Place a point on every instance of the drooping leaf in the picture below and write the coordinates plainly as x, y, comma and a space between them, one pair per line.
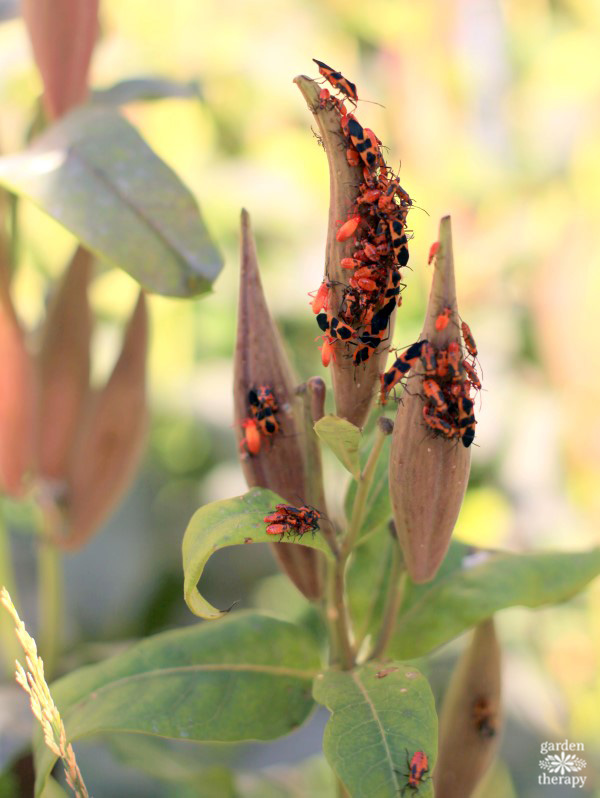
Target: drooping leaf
312, 777
343, 438
96, 176
247, 677
481, 585
381, 715
230, 522
378, 508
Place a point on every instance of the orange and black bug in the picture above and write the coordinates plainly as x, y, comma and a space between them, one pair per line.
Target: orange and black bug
251, 440
320, 297
468, 339
350, 263
454, 359
472, 375
484, 718
260, 397
364, 142
433, 251
337, 80
327, 351
437, 423
290, 520
433, 392
428, 359
399, 368
418, 767
399, 241
442, 320
336, 328
348, 228
266, 421
466, 420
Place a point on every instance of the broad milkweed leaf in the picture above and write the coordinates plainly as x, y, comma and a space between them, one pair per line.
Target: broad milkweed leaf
95, 175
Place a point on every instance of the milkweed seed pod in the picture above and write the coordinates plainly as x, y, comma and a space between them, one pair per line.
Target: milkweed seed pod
354, 386
62, 34
428, 472
470, 720
111, 438
16, 395
277, 459
64, 370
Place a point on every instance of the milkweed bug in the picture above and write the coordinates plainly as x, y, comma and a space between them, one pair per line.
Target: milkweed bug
437, 423
352, 156
251, 439
320, 300
442, 320
337, 80
348, 228
468, 339
327, 351
369, 196
472, 375
283, 529
292, 520
262, 396
428, 359
266, 421
434, 392
466, 420
484, 718
336, 328
455, 368
433, 251
350, 263
418, 767
399, 241
365, 143
381, 319
399, 368
442, 363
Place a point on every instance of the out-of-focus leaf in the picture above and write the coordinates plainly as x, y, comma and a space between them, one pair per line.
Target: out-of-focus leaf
343, 439
485, 583
367, 581
379, 714
247, 677
230, 522
312, 777
145, 88
95, 175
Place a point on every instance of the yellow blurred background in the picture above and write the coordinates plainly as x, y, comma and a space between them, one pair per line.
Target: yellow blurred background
492, 111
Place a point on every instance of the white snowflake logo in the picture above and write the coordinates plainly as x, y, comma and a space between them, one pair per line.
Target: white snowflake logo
565, 763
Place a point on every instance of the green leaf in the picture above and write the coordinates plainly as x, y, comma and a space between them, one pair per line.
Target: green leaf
95, 175
246, 678
343, 438
378, 509
230, 522
477, 585
313, 777
381, 715
367, 582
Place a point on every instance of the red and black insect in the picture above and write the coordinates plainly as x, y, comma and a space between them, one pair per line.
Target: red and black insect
399, 241
399, 368
468, 339
485, 718
251, 440
435, 394
442, 320
335, 327
337, 80
466, 420
348, 228
418, 768
287, 520
433, 251
472, 375
364, 142
437, 423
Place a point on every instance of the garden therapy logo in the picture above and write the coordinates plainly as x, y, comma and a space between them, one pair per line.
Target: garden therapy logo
559, 767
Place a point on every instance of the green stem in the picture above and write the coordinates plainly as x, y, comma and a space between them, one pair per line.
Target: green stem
50, 604
337, 615
9, 643
362, 490
342, 792
393, 603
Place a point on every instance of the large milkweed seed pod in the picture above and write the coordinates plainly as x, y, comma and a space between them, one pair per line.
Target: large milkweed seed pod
428, 475
354, 387
280, 464
16, 395
64, 369
470, 719
111, 438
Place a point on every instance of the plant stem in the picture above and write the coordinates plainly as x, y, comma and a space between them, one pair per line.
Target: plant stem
362, 491
9, 643
50, 604
337, 616
342, 792
394, 599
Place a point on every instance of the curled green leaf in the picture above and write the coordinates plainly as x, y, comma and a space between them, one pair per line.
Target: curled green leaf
230, 522
343, 438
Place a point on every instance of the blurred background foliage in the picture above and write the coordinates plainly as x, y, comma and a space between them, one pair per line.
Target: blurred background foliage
492, 113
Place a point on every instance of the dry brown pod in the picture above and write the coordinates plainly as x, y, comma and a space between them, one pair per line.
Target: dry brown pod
112, 436
281, 462
428, 475
354, 387
16, 395
470, 719
64, 369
